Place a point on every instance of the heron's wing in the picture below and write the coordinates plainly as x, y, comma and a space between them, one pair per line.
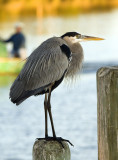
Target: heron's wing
46, 65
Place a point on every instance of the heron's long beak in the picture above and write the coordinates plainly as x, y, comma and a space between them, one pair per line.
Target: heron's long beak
90, 38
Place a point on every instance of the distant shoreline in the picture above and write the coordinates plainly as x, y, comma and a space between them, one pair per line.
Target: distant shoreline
13, 8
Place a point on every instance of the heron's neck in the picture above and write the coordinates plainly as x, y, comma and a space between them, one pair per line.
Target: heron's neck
77, 58
74, 46
68, 41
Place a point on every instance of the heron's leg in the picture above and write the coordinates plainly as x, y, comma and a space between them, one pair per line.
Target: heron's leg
47, 106
50, 113
46, 117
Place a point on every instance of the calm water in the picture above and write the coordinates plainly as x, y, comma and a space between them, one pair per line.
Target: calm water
74, 106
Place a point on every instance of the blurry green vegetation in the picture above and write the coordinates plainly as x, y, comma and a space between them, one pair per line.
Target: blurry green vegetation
3, 50
42, 8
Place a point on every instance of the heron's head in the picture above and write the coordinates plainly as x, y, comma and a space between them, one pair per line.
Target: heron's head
77, 37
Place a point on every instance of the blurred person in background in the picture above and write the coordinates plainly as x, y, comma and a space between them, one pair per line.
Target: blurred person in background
18, 41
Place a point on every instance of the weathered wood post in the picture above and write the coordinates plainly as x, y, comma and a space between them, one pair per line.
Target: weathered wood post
107, 91
50, 150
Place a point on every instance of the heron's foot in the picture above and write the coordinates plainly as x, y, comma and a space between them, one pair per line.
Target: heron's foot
58, 139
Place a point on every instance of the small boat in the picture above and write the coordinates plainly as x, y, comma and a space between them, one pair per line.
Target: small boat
10, 66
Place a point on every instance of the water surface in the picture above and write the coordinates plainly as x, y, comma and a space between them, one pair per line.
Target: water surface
74, 108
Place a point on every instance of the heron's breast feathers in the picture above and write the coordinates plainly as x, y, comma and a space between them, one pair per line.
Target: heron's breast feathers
76, 60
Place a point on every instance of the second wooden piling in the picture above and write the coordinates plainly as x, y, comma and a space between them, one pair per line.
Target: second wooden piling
107, 90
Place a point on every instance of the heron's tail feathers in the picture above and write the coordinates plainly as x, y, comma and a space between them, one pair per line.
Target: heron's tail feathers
21, 98
18, 94
16, 90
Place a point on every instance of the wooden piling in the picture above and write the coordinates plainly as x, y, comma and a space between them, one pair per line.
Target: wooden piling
107, 93
50, 150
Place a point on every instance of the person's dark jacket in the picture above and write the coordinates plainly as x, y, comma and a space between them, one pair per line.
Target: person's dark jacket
18, 41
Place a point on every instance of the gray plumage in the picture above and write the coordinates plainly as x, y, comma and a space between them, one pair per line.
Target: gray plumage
47, 65
77, 58
55, 59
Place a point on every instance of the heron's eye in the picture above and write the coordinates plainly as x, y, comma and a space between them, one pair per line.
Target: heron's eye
78, 36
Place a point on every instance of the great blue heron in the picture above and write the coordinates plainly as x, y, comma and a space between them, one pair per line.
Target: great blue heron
54, 60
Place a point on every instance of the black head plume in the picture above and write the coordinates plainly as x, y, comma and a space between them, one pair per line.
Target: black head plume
70, 34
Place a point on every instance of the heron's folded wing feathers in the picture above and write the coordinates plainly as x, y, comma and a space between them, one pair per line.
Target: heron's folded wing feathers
47, 67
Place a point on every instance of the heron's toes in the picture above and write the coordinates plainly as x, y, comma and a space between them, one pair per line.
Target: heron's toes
58, 139
61, 139
67, 141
